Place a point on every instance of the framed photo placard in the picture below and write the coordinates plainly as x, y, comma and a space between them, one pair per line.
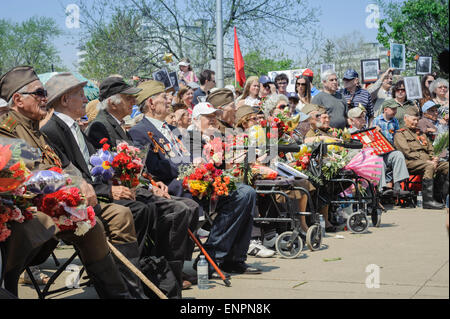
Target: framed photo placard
370, 69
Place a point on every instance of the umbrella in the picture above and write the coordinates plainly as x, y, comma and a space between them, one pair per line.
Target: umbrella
90, 90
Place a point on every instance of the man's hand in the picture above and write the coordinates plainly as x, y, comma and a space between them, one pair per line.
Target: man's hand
161, 193
385, 74
89, 193
122, 192
163, 187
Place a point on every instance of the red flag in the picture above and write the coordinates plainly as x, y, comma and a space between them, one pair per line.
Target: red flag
238, 61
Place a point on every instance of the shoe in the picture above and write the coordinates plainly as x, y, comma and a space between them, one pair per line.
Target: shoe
428, 200
240, 268
388, 192
257, 249
40, 278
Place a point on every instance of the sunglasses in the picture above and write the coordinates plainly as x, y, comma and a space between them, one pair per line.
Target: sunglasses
401, 90
282, 106
301, 84
39, 92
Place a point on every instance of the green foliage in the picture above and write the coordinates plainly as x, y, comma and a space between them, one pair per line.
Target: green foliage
256, 63
422, 25
29, 43
328, 52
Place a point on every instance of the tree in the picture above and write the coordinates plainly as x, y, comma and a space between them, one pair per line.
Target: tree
257, 64
328, 52
184, 29
29, 43
422, 25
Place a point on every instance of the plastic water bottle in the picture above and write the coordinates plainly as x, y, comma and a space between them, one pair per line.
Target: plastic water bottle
322, 224
202, 273
419, 200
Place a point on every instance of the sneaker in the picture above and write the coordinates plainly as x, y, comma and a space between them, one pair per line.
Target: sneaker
257, 249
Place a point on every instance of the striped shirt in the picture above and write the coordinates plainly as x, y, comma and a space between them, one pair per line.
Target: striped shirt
360, 96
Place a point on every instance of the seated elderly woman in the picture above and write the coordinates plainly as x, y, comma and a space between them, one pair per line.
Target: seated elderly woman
230, 234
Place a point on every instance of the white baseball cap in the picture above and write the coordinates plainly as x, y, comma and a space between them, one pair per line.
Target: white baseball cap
203, 108
184, 63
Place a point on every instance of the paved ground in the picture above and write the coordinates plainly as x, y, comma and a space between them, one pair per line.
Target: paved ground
411, 249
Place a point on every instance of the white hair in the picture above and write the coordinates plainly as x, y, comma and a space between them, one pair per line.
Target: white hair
115, 99
325, 75
272, 101
23, 89
436, 83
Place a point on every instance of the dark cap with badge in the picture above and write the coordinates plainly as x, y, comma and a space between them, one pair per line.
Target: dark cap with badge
350, 74
115, 85
15, 79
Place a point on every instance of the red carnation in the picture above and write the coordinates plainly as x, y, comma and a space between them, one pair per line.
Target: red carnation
103, 140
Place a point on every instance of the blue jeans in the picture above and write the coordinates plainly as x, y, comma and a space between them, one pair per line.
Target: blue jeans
230, 233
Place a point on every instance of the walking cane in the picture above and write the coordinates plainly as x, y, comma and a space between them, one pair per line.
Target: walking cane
137, 272
197, 242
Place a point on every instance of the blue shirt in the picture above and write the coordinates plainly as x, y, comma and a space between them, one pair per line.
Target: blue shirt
360, 96
388, 128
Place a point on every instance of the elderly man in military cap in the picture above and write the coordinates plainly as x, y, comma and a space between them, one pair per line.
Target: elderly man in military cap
66, 97
174, 215
27, 101
223, 100
420, 159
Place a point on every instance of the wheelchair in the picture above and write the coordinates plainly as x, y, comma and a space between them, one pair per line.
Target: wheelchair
365, 201
284, 218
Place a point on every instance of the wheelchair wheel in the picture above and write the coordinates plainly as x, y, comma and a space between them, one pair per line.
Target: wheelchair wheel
314, 238
288, 248
357, 222
376, 218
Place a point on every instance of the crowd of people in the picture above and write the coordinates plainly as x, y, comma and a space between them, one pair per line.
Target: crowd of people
154, 220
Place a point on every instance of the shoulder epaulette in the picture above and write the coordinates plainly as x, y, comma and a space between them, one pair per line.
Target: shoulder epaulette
8, 123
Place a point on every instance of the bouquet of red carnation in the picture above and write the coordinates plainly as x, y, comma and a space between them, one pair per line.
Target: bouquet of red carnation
206, 181
68, 210
127, 164
13, 171
11, 213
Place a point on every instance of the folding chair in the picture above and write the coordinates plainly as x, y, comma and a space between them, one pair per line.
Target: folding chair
45, 292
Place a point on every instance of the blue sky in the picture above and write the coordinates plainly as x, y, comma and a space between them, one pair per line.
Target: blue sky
338, 17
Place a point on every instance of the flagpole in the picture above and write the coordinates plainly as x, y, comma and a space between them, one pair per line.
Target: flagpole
219, 45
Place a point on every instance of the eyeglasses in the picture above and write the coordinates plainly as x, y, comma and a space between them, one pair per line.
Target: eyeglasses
442, 87
39, 92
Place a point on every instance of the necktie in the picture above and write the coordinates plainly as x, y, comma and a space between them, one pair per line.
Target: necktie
82, 144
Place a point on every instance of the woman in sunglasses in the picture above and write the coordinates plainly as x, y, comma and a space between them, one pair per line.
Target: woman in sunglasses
303, 90
426, 81
399, 94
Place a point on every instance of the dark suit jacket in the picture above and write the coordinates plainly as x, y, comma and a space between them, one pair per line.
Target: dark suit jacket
157, 163
105, 126
61, 136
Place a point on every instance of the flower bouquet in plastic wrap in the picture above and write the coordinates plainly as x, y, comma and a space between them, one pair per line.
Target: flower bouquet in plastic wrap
205, 181
58, 195
123, 165
16, 159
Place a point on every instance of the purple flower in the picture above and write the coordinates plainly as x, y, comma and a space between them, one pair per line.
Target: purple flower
101, 162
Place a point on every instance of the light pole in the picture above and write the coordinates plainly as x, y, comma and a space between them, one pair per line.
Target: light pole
219, 45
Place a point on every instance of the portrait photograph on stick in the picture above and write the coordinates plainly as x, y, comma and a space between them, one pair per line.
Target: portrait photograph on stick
397, 58
369, 70
327, 66
423, 65
413, 88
